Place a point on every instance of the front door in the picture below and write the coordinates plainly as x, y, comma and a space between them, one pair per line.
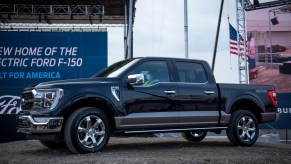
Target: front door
153, 103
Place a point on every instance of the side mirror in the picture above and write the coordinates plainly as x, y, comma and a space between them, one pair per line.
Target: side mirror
135, 79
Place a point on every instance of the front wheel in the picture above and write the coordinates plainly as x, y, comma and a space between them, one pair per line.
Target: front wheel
87, 130
243, 129
194, 135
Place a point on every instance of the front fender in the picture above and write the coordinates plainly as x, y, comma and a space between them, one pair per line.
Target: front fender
89, 96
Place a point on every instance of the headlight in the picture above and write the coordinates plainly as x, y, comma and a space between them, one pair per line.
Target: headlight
48, 98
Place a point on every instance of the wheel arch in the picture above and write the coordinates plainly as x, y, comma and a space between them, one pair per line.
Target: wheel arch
91, 100
249, 103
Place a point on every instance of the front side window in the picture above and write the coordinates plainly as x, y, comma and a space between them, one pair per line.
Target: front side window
153, 71
191, 72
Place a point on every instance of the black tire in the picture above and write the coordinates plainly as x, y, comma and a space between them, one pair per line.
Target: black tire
87, 130
53, 145
194, 135
243, 129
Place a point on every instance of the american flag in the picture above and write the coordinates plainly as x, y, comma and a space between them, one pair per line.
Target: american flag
233, 41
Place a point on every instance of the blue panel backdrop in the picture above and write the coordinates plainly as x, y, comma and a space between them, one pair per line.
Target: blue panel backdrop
28, 58
284, 108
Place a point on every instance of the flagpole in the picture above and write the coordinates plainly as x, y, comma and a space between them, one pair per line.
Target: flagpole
186, 27
217, 35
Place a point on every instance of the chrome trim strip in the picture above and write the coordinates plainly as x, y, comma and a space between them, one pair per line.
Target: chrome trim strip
147, 120
113, 91
209, 92
172, 130
53, 125
175, 119
198, 118
169, 92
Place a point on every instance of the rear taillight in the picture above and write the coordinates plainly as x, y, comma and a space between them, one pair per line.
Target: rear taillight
273, 98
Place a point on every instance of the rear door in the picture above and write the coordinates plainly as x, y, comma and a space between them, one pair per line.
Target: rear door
197, 97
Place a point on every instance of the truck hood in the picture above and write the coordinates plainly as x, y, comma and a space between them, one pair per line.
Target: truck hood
70, 82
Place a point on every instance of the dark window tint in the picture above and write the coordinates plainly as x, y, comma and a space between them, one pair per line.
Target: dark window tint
153, 71
191, 72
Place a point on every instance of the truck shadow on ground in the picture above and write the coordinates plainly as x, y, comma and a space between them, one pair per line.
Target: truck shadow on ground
38, 149
164, 145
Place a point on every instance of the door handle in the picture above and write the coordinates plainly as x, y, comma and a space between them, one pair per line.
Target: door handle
169, 92
209, 92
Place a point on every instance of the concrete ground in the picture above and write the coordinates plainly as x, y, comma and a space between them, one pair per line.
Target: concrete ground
150, 150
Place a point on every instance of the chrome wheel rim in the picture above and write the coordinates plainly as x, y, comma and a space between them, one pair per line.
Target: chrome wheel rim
246, 128
91, 131
197, 133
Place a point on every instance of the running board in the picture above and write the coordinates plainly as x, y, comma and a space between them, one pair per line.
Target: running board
172, 130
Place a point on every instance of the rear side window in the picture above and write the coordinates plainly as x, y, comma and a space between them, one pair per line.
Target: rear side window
191, 72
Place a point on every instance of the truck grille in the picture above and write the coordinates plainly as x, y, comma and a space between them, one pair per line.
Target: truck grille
27, 106
22, 123
28, 97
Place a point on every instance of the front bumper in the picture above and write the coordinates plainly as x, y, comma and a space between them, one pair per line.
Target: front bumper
268, 117
29, 125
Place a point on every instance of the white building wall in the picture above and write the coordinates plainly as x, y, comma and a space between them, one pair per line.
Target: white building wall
278, 38
282, 38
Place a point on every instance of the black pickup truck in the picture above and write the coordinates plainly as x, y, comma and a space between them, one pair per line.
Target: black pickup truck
144, 95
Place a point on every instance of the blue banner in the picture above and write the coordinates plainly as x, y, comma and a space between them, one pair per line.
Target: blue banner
28, 58
284, 108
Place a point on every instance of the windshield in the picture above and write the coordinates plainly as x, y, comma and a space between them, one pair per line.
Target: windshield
116, 69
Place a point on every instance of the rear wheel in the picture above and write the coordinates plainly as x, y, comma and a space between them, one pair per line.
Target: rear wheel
243, 128
53, 145
194, 135
87, 130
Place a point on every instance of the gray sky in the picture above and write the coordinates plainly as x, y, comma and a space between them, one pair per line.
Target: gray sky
159, 31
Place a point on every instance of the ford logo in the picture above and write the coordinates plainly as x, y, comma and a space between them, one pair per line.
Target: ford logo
9, 104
